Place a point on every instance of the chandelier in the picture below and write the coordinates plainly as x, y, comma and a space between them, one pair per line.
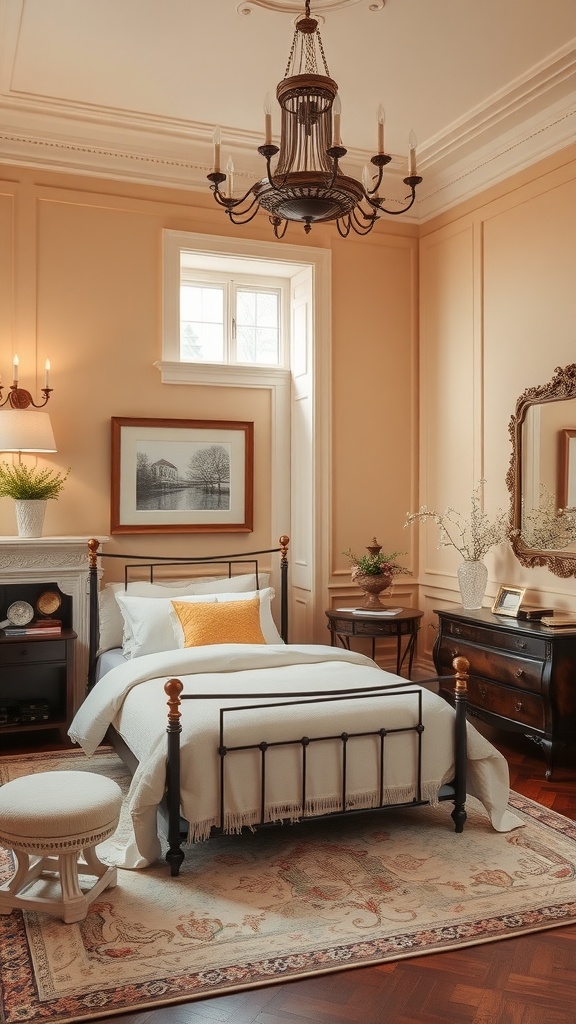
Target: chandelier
307, 184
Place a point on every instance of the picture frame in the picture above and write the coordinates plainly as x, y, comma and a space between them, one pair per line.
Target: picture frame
508, 600
181, 476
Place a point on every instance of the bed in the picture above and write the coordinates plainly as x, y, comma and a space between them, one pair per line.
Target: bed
229, 727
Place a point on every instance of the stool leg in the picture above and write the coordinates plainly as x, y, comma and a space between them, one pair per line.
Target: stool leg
74, 903
93, 862
17, 880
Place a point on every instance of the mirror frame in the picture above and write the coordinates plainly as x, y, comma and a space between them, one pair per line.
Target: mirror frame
561, 387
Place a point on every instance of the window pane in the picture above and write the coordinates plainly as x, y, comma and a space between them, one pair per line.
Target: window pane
267, 306
202, 323
258, 329
246, 345
246, 308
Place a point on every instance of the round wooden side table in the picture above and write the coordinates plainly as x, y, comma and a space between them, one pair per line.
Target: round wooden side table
344, 625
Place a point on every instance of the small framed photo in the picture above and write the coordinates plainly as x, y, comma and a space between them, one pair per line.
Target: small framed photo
508, 600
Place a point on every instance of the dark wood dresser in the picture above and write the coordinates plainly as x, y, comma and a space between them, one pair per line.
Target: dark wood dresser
522, 674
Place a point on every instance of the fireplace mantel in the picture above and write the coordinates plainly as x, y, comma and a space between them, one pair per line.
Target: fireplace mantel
61, 560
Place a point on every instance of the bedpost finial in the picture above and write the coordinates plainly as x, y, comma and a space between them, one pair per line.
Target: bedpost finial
461, 666
93, 546
284, 542
173, 688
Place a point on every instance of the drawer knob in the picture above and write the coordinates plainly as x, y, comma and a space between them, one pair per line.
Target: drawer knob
521, 644
519, 673
23, 653
519, 706
483, 692
455, 652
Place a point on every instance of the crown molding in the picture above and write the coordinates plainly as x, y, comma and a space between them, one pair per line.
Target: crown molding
532, 119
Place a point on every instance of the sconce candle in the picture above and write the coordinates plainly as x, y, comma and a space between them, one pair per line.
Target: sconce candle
47, 374
15, 372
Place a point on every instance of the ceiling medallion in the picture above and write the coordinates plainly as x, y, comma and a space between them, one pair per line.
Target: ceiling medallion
306, 184
295, 6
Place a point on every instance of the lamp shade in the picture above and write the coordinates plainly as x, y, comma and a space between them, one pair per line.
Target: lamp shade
26, 430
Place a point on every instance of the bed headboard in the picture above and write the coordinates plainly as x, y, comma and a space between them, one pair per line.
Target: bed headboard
148, 567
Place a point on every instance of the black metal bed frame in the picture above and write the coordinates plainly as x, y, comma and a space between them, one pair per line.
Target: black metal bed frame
455, 790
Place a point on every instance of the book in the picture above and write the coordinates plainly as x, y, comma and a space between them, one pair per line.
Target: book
32, 630
369, 611
559, 621
529, 611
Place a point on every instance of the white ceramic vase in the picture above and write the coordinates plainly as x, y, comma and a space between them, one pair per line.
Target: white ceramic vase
30, 517
472, 580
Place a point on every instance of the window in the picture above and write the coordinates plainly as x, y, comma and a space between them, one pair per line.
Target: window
233, 320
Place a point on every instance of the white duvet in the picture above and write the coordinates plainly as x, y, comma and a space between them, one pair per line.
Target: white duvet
132, 698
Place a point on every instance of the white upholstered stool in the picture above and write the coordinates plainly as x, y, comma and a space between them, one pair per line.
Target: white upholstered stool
49, 820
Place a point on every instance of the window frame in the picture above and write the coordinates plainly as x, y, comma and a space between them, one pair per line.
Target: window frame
232, 282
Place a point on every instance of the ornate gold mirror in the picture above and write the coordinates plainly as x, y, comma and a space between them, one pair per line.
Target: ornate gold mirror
542, 474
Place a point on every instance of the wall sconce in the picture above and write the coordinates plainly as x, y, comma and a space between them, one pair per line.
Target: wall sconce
19, 398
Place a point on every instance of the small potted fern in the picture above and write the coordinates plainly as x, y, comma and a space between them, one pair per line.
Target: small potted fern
31, 487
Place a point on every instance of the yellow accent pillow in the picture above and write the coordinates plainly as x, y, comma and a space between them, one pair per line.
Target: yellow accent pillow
233, 622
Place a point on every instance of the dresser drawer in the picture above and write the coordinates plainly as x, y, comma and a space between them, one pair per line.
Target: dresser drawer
35, 651
524, 708
530, 646
499, 666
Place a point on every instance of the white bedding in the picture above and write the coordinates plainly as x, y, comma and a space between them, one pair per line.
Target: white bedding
131, 697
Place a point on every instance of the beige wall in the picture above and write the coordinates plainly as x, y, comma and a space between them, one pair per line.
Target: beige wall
498, 315
80, 282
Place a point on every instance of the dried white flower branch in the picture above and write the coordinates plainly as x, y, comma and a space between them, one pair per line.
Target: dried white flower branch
472, 536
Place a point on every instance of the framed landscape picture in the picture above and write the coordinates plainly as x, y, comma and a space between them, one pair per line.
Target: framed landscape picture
181, 476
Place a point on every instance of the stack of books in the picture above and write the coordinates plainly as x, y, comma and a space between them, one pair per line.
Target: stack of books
42, 627
531, 612
559, 621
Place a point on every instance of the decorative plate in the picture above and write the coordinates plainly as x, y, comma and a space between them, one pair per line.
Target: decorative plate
20, 613
48, 602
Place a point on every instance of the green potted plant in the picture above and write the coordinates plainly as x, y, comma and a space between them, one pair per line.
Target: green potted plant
31, 487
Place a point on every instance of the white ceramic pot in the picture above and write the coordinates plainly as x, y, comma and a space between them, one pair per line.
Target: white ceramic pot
30, 517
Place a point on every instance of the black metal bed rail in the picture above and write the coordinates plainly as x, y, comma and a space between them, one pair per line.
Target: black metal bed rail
174, 688
304, 741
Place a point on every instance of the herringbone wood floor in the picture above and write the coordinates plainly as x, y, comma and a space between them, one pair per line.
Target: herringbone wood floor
515, 981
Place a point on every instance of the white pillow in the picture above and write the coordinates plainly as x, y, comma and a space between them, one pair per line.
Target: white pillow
112, 623
148, 626
267, 624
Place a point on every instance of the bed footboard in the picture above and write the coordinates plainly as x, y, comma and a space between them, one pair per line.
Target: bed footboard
455, 791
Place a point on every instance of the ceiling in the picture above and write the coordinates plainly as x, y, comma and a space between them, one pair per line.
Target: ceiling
132, 89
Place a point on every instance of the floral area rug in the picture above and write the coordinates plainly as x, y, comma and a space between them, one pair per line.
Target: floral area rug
282, 904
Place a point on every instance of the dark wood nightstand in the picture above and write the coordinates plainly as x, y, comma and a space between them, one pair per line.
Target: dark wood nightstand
36, 683
344, 625
521, 674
